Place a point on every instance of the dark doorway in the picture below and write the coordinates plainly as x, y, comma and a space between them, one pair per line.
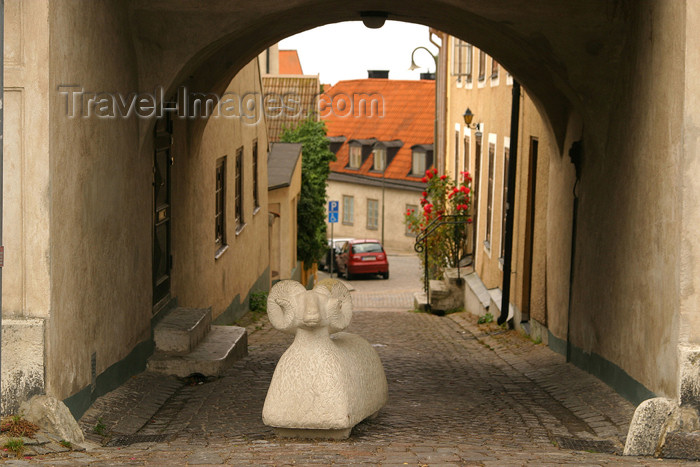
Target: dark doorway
529, 228
162, 161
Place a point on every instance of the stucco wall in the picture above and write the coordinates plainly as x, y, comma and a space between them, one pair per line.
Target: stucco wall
395, 238
100, 201
491, 101
25, 275
285, 200
198, 278
626, 289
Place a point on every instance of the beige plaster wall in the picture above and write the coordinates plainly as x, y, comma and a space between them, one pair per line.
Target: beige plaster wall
25, 278
198, 278
491, 101
285, 200
26, 291
626, 290
395, 238
100, 200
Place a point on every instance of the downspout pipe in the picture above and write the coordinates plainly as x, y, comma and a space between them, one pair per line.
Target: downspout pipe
510, 201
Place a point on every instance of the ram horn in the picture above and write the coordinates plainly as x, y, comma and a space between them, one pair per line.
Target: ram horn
339, 306
281, 303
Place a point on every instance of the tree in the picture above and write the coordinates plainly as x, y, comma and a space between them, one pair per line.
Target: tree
311, 212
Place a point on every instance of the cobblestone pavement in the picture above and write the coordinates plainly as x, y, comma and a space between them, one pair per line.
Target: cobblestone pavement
459, 394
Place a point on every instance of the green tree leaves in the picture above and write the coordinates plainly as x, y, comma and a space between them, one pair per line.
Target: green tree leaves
311, 210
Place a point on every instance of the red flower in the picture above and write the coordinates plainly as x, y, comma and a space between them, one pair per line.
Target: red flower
450, 195
425, 194
467, 191
463, 189
442, 177
430, 175
469, 220
434, 170
424, 180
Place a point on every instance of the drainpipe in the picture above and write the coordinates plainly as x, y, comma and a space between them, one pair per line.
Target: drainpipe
510, 202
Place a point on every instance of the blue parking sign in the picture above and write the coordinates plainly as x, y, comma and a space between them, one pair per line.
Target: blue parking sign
333, 206
333, 217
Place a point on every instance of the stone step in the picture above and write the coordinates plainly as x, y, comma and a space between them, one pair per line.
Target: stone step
495, 306
181, 330
420, 301
438, 289
222, 346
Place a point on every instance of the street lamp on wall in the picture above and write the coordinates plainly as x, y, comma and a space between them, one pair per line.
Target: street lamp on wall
468, 117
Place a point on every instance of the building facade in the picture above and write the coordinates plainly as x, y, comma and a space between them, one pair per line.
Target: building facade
381, 131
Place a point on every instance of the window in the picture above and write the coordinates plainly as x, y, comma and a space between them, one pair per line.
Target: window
456, 157
462, 61
348, 210
355, 156
482, 65
220, 209
469, 66
372, 214
256, 198
380, 159
494, 68
506, 160
489, 195
410, 208
239, 190
418, 162
465, 159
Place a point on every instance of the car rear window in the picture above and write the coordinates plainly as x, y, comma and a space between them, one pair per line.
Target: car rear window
367, 248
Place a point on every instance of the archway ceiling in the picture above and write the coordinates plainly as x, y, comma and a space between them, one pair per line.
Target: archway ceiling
565, 53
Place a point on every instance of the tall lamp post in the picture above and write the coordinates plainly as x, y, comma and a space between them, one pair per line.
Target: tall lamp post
413, 67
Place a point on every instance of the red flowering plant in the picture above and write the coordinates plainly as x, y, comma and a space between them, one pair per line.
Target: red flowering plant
441, 197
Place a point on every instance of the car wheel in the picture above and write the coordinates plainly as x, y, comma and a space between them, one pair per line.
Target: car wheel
385, 275
349, 276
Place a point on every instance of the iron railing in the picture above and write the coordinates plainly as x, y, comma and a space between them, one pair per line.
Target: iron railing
421, 245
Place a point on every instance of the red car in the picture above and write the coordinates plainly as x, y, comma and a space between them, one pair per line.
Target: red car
363, 257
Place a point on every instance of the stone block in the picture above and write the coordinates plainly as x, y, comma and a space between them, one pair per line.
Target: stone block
647, 426
52, 416
22, 361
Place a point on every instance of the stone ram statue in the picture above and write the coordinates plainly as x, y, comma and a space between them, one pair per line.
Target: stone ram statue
323, 385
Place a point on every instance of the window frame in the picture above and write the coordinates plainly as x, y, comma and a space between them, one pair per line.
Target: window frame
256, 179
372, 214
423, 155
220, 205
482, 65
238, 192
352, 157
348, 213
379, 167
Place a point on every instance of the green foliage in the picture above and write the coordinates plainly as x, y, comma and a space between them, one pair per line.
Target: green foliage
446, 244
100, 427
311, 210
258, 302
15, 445
66, 444
487, 318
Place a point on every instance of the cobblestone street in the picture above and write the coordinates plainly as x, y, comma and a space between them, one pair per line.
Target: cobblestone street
459, 394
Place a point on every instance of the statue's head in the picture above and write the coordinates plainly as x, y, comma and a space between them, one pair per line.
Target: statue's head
290, 306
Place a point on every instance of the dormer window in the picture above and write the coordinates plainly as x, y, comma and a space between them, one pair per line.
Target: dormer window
379, 159
421, 159
418, 162
355, 156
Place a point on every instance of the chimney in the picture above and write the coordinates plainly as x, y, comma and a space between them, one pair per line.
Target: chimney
430, 76
381, 74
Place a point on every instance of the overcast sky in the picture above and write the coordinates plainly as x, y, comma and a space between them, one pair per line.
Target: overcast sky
347, 50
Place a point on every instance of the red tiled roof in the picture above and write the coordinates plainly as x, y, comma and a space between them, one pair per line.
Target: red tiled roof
300, 94
404, 110
289, 63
